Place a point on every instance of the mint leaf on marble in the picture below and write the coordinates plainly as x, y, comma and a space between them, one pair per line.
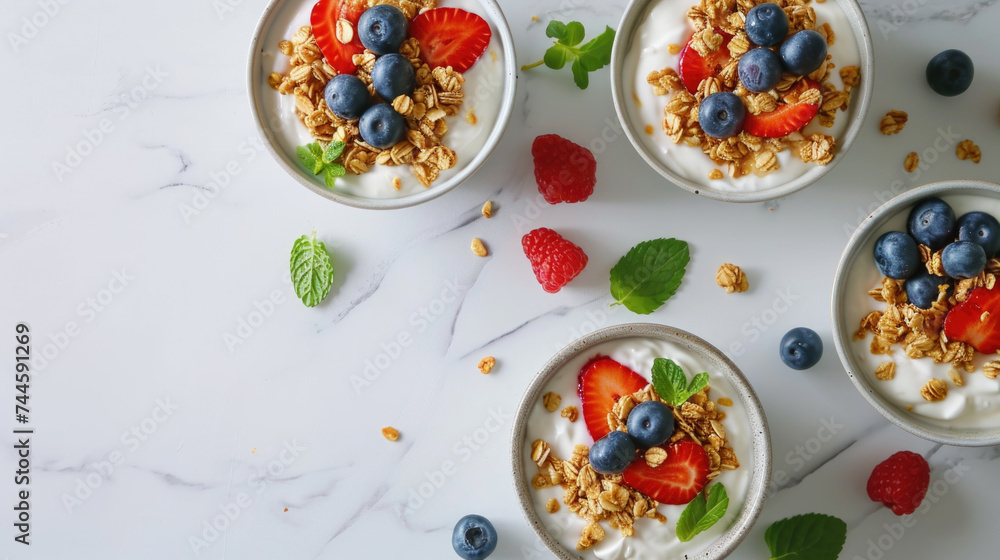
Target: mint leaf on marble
312, 270
321, 161
649, 274
812, 536
702, 513
670, 382
592, 56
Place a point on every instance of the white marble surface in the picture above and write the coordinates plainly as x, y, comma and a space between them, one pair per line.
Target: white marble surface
275, 422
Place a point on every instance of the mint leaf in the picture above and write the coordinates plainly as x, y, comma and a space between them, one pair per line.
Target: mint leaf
333, 152
649, 274
306, 158
594, 55
555, 29
316, 150
698, 382
556, 57
331, 173
574, 34
321, 162
580, 77
597, 53
700, 514
670, 382
312, 270
812, 536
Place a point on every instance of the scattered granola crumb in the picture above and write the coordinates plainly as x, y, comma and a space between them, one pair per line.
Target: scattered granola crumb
470, 117
488, 209
397, 183
726, 401
991, 369
649, 129
254, 450
893, 122
934, 390
552, 505
967, 149
390, 433
674, 49
732, 278
494, 56
478, 248
909, 407
885, 371
534, 18
911, 163
655, 456
570, 413
551, 401
486, 364
715, 174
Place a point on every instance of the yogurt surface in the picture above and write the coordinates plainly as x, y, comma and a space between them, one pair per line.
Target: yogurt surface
973, 405
483, 89
652, 539
666, 23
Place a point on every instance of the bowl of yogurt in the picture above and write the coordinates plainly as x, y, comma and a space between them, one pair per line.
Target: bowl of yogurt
649, 39
472, 133
636, 346
969, 412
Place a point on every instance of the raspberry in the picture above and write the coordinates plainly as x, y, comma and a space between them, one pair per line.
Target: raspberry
554, 260
564, 171
900, 482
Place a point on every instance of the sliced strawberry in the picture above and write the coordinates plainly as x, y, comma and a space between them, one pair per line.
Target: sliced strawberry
601, 383
976, 321
693, 68
677, 480
784, 120
451, 37
325, 15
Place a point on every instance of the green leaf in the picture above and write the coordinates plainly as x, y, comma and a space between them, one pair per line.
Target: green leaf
580, 75
331, 173
574, 34
669, 381
649, 274
698, 383
316, 151
700, 514
812, 536
596, 54
312, 270
306, 157
333, 152
555, 29
556, 57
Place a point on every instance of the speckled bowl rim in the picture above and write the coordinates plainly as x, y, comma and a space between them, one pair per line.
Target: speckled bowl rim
288, 163
860, 102
843, 330
756, 493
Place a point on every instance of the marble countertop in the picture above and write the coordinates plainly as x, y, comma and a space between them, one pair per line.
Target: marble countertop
177, 379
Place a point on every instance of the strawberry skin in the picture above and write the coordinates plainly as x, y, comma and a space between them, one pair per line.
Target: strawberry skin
325, 15
451, 37
693, 68
601, 383
677, 480
976, 321
784, 120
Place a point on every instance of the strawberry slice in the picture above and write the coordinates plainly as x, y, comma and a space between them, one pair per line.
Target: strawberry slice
325, 15
693, 68
677, 480
784, 120
601, 383
976, 321
451, 37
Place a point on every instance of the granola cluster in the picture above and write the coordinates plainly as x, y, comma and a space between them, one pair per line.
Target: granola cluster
746, 154
920, 332
732, 278
438, 95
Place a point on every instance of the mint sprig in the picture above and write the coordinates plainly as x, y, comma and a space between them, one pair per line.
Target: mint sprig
320, 161
312, 270
812, 536
649, 274
670, 382
592, 56
701, 512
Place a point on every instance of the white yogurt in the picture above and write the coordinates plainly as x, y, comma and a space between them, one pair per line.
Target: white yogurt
974, 405
666, 23
652, 539
483, 90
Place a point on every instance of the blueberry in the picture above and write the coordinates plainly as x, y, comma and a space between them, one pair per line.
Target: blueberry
393, 75
963, 259
721, 115
801, 348
650, 424
381, 126
760, 69
950, 72
981, 228
612, 453
382, 29
803, 52
474, 537
347, 96
932, 223
767, 25
897, 255
922, 289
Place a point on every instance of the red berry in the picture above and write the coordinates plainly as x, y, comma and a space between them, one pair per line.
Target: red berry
324, 18
900, 482
677, 480
451, 37
785, 119
602, 382
692, 68
976, 321
564, 171
555, 260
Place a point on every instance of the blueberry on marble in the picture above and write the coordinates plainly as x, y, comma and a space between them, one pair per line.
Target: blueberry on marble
347, 96
801, 348
612, 453
803, 52
650, 424
767, 25
923, 287
474, 537
760, 68
950, 72
393, 75
963, 259
897, 255
722, 114
382, 29
981, 228
381, 126
932, 223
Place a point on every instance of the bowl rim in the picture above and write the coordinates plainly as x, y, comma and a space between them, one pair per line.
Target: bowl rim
843, 331
861, 96
255, 75
760, 480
